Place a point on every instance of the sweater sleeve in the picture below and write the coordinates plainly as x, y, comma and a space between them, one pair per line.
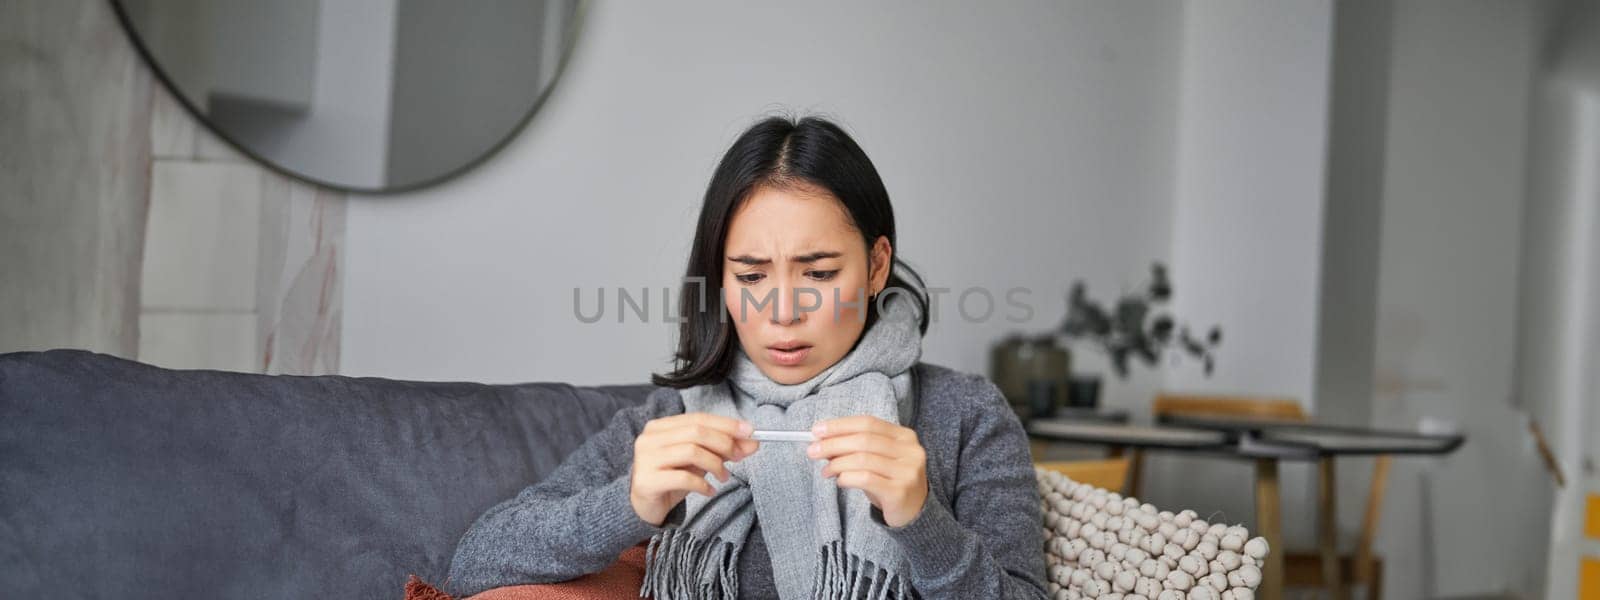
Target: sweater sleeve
990, 543
574, 522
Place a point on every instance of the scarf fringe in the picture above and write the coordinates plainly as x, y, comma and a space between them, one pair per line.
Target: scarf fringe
676, 563
844, 575
679, 565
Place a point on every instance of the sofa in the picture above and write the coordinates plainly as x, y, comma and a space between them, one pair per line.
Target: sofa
122, 479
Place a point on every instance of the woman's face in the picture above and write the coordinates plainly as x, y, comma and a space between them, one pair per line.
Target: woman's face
798, 273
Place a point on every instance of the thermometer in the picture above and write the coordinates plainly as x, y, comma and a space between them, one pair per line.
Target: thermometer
776, 435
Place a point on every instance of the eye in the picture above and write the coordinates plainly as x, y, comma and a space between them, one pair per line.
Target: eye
822, 275
748, 278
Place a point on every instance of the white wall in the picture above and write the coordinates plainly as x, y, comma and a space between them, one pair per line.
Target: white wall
454, 92
1352, 220
1023, 145
1247, 227
1448, 300
1352, 229
344, 138
1560, 340
1559, 330
262, 51
1247, 234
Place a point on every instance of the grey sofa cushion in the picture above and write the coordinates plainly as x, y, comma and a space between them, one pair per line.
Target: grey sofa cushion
121, 479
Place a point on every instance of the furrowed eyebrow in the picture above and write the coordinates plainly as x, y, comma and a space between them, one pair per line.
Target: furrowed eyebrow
807, 258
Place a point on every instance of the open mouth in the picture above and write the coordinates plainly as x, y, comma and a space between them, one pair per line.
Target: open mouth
788, 353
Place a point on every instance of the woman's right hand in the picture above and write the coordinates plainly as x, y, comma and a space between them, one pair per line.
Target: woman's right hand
672, 455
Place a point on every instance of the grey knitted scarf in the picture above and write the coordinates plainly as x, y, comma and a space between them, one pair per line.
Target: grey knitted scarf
822, 538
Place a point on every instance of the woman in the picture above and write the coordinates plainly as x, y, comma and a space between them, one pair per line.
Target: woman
919, 484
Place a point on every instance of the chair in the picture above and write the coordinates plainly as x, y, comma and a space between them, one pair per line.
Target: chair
1111, 473
1301, 568
1121, 557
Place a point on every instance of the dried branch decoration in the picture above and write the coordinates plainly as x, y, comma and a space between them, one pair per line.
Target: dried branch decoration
1132, 331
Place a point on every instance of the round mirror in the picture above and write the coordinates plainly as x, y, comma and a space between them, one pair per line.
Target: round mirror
358, 95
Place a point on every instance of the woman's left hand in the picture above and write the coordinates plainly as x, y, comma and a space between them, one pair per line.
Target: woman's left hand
883, 459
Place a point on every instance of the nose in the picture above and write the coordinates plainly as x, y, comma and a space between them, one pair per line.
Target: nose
786, 307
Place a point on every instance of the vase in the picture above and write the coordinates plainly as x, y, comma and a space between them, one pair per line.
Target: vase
1032, 373
1083, 392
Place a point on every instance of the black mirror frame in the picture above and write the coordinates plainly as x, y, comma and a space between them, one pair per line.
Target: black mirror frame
567, 50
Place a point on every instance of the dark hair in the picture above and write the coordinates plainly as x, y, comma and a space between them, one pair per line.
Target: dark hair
778, 152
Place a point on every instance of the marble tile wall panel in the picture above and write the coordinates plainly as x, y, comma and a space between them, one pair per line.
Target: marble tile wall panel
236, 240
172, 130
199, 340
127, 227
203, 236
299, 285
74, 169
233, 242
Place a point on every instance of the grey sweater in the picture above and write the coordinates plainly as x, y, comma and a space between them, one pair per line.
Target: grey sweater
980, 535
